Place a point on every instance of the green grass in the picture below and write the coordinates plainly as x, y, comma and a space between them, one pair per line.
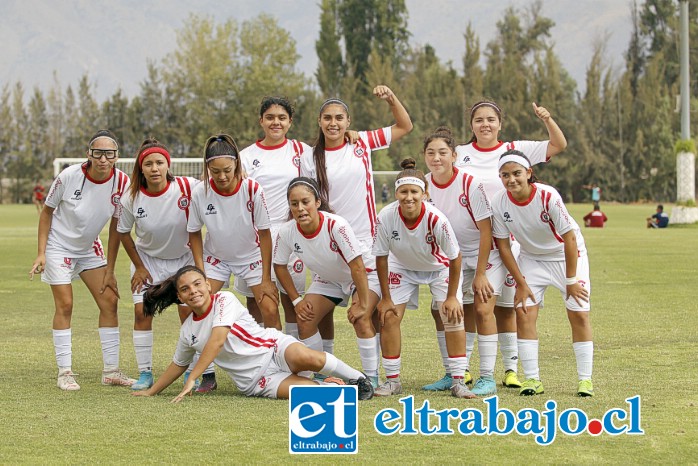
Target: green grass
645, 333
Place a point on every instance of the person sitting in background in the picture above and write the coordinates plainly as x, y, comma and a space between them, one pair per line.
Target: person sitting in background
595, 218
659, 219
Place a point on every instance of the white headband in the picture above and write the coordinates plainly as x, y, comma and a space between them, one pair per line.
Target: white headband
514, 158
224, 156
409, 180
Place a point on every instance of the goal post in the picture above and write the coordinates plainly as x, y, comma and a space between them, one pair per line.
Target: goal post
179, 167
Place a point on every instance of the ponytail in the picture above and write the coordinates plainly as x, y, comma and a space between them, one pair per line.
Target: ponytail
157, 298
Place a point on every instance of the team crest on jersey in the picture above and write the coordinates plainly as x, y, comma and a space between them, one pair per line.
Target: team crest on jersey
394, 278
297, 161
140, 213
211, 210
333, 246
250, 205
359, 151
116, 199
463, 200
429, 238
262, 383
67, 261
183, 202
545, 217
509, 281
298, 266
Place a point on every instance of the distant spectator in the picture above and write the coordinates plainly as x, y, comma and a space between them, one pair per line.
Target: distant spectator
595, 218
595, 193
384, 193
658, 220
38, 196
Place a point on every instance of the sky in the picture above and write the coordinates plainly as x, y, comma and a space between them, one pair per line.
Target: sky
113, 40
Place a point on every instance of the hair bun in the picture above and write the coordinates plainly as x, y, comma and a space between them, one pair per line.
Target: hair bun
408, 163
444, 130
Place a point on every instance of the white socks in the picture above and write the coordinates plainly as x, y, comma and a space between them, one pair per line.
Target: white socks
441, 339
392, 365
313, 342
528, 355
470, 338
584, 353
291, 328
62, 344
510, 351
487, 346
335, 367
109, 337
456, 366
367, 352
143, 347
328, 346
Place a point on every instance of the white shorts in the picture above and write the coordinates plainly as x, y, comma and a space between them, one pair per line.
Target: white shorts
160, 269
275, 372
246, 276
62, 267
541, 274
295, 266
341, 290
404, 286
498, 276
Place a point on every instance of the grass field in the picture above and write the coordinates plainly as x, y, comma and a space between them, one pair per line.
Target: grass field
645, 334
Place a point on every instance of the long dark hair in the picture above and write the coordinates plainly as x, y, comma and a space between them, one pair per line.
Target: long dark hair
319, 150
221, 144
311, 186
157, 298
138, 179
483, 103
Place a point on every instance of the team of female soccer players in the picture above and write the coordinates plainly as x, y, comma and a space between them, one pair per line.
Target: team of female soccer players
479, 229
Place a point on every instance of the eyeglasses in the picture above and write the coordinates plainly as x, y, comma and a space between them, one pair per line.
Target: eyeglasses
97, 154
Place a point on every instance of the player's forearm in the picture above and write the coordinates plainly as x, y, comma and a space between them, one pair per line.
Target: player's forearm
265, 248
454, 271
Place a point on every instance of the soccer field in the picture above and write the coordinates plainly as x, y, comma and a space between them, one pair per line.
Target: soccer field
645, 338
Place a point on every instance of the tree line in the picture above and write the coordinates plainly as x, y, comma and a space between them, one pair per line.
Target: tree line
621, 130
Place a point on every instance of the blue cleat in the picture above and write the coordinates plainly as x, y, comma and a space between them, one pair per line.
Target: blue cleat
485, 386
441, 385
144, 382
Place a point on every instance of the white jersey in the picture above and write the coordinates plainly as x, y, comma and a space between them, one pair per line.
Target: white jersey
350, 175
427, 246
245, 352
538, 223
231, 220
464, 201
326, 252
82, 207
274, 167
484, 163
160, 219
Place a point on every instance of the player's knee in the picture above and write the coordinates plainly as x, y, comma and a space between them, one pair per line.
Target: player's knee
363, 325
453, 326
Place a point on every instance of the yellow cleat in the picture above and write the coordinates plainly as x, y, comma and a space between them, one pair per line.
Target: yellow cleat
511, 380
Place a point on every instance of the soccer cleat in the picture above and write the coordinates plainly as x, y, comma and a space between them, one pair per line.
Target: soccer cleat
485, 386
117, 378
208, 384
511, 380
197, 382
318, 377
144, 382
365, 388
585, 388
443, 384
460, 390
390, 387
467, 378
66, 381
531, 387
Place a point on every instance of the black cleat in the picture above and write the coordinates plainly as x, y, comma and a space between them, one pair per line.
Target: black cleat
365, 387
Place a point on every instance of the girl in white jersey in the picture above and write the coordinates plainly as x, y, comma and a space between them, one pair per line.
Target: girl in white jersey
416, 245
261, 361
479, 156
158, 207
238, 240
341, 266
553, 253
273, 162
82, 199
462, 198
344, 170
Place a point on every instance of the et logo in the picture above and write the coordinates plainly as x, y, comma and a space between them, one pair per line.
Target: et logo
323, 419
